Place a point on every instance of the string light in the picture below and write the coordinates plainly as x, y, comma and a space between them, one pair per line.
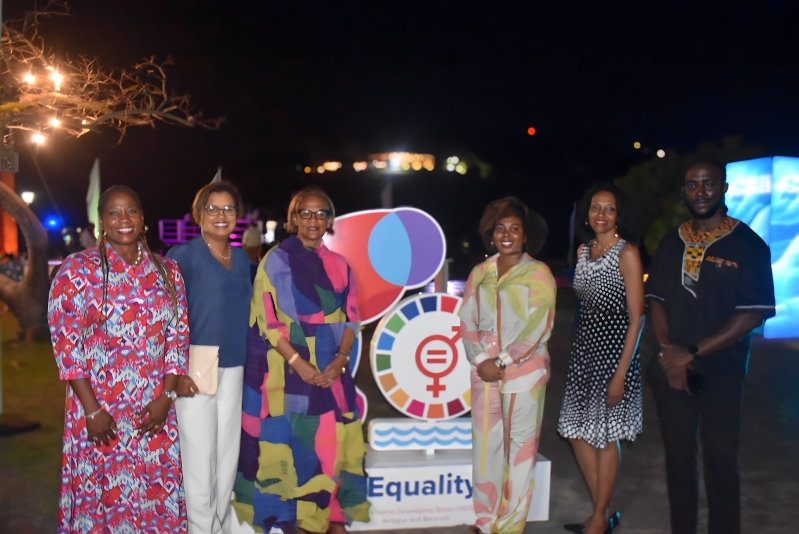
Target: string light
57, 79
38, 138
55, 123
28, 78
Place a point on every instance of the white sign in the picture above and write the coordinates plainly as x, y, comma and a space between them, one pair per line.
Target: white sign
418, 359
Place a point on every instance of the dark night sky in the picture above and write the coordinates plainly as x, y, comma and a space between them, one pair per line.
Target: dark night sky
300, 82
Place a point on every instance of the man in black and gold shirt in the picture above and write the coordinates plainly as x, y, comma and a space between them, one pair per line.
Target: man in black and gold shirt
709, 286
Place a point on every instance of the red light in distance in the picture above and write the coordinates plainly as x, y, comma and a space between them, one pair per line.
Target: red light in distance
530, 131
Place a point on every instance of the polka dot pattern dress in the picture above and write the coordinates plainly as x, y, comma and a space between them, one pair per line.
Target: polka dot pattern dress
598, 344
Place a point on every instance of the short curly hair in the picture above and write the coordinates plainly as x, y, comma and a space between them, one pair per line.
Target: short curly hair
201, 198
535, 227
294, 207
625, 218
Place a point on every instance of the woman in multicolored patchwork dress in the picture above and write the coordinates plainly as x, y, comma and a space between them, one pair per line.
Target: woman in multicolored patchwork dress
117, 316
301, 464
506, 320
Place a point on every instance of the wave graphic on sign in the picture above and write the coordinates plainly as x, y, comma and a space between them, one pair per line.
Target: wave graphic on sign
408, 444
389, 251
423, 432
409, 434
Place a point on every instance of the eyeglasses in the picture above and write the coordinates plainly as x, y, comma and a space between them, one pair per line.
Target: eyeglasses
321, 214
227, 210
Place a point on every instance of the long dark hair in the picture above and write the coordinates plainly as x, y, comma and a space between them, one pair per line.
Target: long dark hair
625, 219
165, 278
535, 227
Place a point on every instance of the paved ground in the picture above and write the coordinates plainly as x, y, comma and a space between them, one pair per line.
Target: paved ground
29, 463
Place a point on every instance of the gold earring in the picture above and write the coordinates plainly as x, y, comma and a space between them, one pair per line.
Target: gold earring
616, 233
586, 223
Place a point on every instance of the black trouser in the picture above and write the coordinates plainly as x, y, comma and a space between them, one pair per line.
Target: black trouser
715, 415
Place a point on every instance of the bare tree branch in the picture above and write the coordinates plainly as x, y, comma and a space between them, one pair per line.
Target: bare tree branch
44, 91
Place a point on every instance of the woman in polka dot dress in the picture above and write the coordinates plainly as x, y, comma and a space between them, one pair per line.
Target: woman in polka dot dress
602, 401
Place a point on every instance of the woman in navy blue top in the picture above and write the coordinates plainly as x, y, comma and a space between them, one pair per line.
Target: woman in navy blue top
218, 290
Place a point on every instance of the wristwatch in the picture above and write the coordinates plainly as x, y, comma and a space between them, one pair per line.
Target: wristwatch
693, 349
173, 395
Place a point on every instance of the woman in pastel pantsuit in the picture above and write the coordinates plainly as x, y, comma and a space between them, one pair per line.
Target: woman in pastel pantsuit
506, 320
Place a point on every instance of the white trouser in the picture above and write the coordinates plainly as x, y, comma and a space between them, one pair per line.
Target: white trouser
210, 432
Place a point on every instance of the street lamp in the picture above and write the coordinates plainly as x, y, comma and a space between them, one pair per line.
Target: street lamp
27, 196
38, 138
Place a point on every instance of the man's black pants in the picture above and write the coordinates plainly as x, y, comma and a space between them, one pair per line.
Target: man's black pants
714, 414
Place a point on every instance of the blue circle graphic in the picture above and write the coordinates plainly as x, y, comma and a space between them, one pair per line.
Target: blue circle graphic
390, 250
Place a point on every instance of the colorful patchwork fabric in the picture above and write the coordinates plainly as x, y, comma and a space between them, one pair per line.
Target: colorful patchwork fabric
123, 344
695, 245
302, 448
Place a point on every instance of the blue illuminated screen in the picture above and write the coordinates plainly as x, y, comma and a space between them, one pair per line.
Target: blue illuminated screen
749, 194
764, 193
784, 243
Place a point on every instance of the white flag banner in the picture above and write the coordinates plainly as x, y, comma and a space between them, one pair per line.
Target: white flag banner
93, 196
218, 175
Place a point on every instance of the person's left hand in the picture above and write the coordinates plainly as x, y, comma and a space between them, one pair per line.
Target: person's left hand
674, 356
156, 413
615, 391
489, 372
332, 372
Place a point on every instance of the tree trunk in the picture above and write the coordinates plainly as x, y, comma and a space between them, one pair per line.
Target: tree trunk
27, 299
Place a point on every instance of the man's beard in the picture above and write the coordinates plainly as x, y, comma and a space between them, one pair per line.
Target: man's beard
709, 213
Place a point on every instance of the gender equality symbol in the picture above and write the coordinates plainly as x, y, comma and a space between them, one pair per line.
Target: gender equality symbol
436, 357
418, 359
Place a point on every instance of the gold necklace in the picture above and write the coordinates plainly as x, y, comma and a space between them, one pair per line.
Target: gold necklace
217, 253
595, 244
138, 257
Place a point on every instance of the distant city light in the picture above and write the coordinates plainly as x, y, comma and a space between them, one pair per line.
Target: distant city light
402, 161
661, 153
307, 170
55, 123
465, 244
27, 197
360, 166
331, 166
453, 159
28, 78
38, 138
530, 131
450, 167
636, 145
461, 168
83, 121
320, 169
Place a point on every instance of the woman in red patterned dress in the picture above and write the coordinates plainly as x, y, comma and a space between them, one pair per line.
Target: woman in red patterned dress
117, 316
